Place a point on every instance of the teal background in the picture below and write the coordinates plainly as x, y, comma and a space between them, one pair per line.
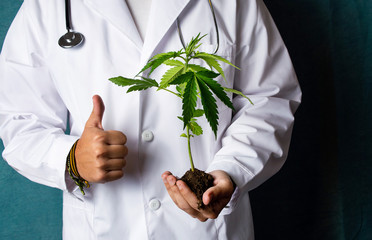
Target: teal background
324, 189
28, 211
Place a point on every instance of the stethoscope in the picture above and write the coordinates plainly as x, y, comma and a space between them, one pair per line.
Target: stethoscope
73, 39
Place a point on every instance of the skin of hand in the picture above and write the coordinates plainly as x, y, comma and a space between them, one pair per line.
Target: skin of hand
215, 198
100, 155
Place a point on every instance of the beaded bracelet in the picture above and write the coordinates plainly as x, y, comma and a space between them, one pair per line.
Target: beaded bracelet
72, 170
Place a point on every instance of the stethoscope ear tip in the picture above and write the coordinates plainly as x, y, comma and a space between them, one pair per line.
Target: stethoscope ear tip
71, 39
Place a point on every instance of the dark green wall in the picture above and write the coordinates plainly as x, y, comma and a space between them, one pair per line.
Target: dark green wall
324, 189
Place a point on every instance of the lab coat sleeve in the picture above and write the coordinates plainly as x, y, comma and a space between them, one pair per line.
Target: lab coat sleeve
32, 115
255, 145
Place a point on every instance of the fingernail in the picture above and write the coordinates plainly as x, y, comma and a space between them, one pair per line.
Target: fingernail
208, 199
179, 185
171, 181
164, 180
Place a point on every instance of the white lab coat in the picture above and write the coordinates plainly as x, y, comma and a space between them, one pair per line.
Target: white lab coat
43, 85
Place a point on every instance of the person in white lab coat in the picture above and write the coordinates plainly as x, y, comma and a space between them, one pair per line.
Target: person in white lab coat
129, 142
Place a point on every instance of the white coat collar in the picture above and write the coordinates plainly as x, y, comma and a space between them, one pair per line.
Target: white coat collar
162, 15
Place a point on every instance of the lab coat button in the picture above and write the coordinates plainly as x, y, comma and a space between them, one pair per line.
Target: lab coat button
147, 136
154, 204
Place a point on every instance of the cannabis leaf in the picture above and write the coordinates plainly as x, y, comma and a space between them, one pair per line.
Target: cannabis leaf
170, 75
195, 128
238, 93
209, 105
193, 125
183, 78
214, 56
196, 68
212, 62
198, 113
189, 101
217, 89
137, 84
193, 45
181, 89
172, 62
157, 60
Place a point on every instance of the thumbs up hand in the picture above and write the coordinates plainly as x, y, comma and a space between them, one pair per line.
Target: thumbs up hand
100, 155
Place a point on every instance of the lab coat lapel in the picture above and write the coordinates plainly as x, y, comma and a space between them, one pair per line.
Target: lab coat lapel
118, 14
162, 15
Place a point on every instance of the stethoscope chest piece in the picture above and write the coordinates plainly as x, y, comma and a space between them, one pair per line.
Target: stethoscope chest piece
71, 39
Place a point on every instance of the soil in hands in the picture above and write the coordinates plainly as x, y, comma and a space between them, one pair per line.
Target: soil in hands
198, 181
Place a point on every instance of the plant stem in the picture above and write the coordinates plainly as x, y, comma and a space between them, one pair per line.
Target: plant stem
189, 147
161, 88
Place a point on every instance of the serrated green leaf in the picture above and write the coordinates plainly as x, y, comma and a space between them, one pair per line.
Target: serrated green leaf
189, 101
183, 78
216, 88
143, 84
216, 57
170, 75
172, 62
195, 128
194, 44
157, 60
181, 88
237, 93
160, 55
209, 106
123, 82
213, 64
198, 113
197, 68
208, 74
136, 84
150, 82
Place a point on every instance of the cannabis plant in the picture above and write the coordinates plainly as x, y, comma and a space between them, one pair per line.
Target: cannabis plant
192, 81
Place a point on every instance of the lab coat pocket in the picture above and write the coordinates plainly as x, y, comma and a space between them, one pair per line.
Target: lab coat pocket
77, 209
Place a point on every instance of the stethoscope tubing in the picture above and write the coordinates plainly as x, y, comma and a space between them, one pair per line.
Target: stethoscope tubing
215, 26
68, 40
68, 15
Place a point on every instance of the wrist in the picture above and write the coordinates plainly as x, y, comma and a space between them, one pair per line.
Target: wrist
73, 171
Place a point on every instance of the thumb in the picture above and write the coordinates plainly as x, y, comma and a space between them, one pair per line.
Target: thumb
95, 119
211, 194
220, 191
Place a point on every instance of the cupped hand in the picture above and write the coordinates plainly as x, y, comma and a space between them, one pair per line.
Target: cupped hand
214, 199
100, 155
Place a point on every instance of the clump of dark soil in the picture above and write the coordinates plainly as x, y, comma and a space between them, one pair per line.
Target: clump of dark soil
198, 181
